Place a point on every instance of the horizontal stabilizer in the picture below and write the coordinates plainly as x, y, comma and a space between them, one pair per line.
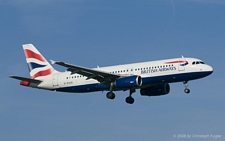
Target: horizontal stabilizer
26, 79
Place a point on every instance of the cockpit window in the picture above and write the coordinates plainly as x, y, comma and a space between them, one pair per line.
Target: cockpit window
197, 62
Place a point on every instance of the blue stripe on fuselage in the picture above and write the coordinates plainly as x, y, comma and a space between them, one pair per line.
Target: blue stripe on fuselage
145, 81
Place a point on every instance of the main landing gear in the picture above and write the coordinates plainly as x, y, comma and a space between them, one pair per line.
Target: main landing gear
110, 94
129, 99
186, 90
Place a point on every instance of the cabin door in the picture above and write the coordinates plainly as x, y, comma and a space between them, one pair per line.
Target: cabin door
181, 65
55, 80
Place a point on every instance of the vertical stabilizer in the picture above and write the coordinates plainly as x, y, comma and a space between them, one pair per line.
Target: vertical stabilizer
37, 64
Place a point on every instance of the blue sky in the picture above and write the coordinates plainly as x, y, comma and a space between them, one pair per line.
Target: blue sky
90, 33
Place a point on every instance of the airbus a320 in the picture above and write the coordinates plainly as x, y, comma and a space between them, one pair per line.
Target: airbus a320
152, 78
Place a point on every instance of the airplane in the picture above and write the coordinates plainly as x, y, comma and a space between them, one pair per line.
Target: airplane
152, 78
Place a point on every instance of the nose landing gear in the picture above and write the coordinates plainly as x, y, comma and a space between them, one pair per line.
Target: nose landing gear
186, 90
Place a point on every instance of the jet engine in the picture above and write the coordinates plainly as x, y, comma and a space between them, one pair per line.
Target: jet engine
128, 82
155, 90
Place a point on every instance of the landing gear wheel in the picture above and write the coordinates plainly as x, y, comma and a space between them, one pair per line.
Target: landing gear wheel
130, 100
110, 95
187, 91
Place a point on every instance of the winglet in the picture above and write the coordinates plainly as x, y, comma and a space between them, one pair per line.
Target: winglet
52, 62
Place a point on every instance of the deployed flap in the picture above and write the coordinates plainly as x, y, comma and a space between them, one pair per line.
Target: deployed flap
26, 79
101, 76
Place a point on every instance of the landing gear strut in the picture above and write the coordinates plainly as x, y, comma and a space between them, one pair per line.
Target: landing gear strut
110, 94
130, 99
186, 90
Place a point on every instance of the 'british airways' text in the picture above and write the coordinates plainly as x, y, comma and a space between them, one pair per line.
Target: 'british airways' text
158, 70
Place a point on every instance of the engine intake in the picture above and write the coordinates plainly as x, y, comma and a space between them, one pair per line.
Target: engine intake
128, 82
155, 90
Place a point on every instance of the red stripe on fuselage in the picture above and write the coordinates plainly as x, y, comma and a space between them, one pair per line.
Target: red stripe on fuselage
174, 62
31, 54
42, 73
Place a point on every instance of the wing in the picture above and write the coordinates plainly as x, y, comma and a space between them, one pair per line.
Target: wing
101, 76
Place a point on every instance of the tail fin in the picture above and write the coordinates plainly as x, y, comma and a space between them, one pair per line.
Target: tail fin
37, 64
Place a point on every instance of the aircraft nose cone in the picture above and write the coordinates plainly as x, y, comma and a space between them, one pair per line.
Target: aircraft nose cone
209, 70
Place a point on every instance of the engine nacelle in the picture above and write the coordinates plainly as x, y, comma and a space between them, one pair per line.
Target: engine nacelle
155, 90
128, 82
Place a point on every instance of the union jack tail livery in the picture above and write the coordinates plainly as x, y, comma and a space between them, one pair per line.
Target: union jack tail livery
37, 64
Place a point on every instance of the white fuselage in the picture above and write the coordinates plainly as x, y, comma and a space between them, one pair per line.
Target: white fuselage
152, 72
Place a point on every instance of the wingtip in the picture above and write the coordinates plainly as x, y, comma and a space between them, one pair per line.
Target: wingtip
52, 62
11, 76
